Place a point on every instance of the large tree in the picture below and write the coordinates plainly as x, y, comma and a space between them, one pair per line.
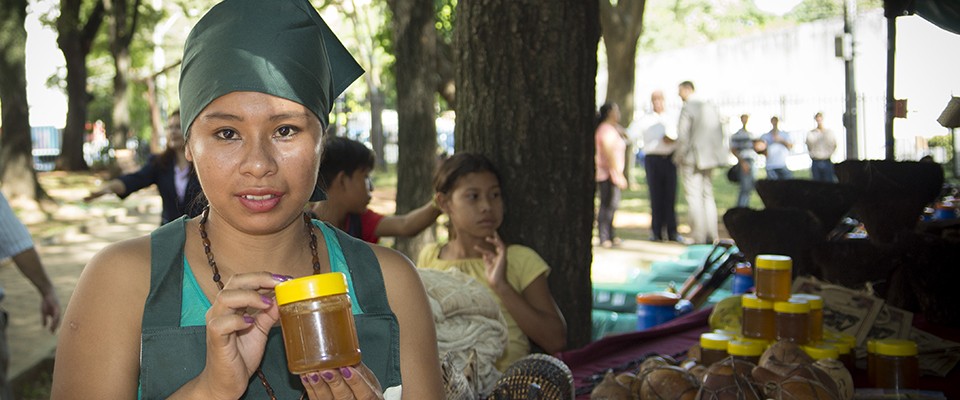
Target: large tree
75, 39
16, 158
415, 50
622, 23
123, 25
526, 78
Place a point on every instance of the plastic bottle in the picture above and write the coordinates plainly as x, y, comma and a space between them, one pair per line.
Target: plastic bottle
793, 321
317, 321
773, 277
897, 366
758, 318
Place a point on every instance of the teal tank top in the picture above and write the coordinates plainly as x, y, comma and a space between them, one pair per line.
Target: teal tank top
195, 304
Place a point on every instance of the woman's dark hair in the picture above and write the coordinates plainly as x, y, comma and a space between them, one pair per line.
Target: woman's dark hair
605, 112
342, 155
458, 166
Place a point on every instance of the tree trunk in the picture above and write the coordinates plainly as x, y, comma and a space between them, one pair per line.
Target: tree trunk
17, 175
622, 25
526, 101
75, 39
415, 50
376, 127
121, 35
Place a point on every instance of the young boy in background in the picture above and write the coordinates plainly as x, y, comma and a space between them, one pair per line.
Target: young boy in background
345, 178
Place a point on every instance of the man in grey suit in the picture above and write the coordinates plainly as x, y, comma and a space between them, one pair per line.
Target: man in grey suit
700, 148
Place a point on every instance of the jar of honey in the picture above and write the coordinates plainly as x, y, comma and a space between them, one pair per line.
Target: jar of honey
713, 347
317, 322
773, 277
758, 318
872, 362
896, 363
845, 352
746, 350
816, 315
793, 321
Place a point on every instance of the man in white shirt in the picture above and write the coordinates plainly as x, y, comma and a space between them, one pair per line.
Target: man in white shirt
779, 144
821, 143
659, 142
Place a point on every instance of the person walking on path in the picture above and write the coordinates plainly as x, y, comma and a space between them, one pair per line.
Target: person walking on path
779, 144
821, 143
16, 243
170, 171
741, 145
659, 143
700, 148
611, 147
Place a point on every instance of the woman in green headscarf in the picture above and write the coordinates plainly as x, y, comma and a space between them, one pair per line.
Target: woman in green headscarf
189, 311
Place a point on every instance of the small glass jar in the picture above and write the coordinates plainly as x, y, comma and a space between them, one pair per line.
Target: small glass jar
742, 278
318, 328
746, 350
793, 321
897, 366
773, 277
713, 348
820, 351
655, 308
758, 318
816, 315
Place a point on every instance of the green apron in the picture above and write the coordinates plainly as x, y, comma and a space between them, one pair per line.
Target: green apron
171, 355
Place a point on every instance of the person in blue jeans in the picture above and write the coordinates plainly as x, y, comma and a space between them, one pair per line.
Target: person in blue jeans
741, 145
779, 144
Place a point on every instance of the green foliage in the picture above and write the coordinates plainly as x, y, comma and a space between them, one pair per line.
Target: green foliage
943, 141
671, 24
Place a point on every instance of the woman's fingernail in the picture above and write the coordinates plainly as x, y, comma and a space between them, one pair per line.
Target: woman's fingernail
304, 379
327, 376
345, 371
266, 300
248, 319
280, 278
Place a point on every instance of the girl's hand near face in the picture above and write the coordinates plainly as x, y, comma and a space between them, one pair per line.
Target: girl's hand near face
495, 261
236, 334
356, 382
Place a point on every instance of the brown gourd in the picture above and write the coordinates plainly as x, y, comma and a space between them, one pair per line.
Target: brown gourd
668, 383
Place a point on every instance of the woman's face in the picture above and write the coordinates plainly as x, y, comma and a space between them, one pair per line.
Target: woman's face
474, 206
256, 156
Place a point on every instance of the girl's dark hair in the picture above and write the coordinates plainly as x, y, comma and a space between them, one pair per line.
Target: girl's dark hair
605, 112
342, 155
458, 166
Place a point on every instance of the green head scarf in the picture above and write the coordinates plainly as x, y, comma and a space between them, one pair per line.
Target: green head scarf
278, 47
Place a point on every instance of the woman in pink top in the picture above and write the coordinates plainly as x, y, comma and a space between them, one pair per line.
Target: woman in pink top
610, 158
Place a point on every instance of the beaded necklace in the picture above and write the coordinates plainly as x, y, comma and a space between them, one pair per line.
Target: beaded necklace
216, 275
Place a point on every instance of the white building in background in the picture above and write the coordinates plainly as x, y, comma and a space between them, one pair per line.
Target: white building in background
794, 73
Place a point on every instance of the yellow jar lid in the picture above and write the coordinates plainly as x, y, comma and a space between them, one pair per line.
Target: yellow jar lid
872, 346
792, 306
774, 261
815, 301
842, 347
896, 347
714, 341
752, 301
745, 348
727, 332
820, 351
312, 286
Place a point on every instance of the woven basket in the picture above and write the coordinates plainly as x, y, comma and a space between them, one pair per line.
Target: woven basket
536, 376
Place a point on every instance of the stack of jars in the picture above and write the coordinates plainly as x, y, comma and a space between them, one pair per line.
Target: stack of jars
774, 313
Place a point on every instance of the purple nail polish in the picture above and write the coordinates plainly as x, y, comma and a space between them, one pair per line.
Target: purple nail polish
314, 377
266, 300
248, 319
280, 278
304, 379
345, 371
